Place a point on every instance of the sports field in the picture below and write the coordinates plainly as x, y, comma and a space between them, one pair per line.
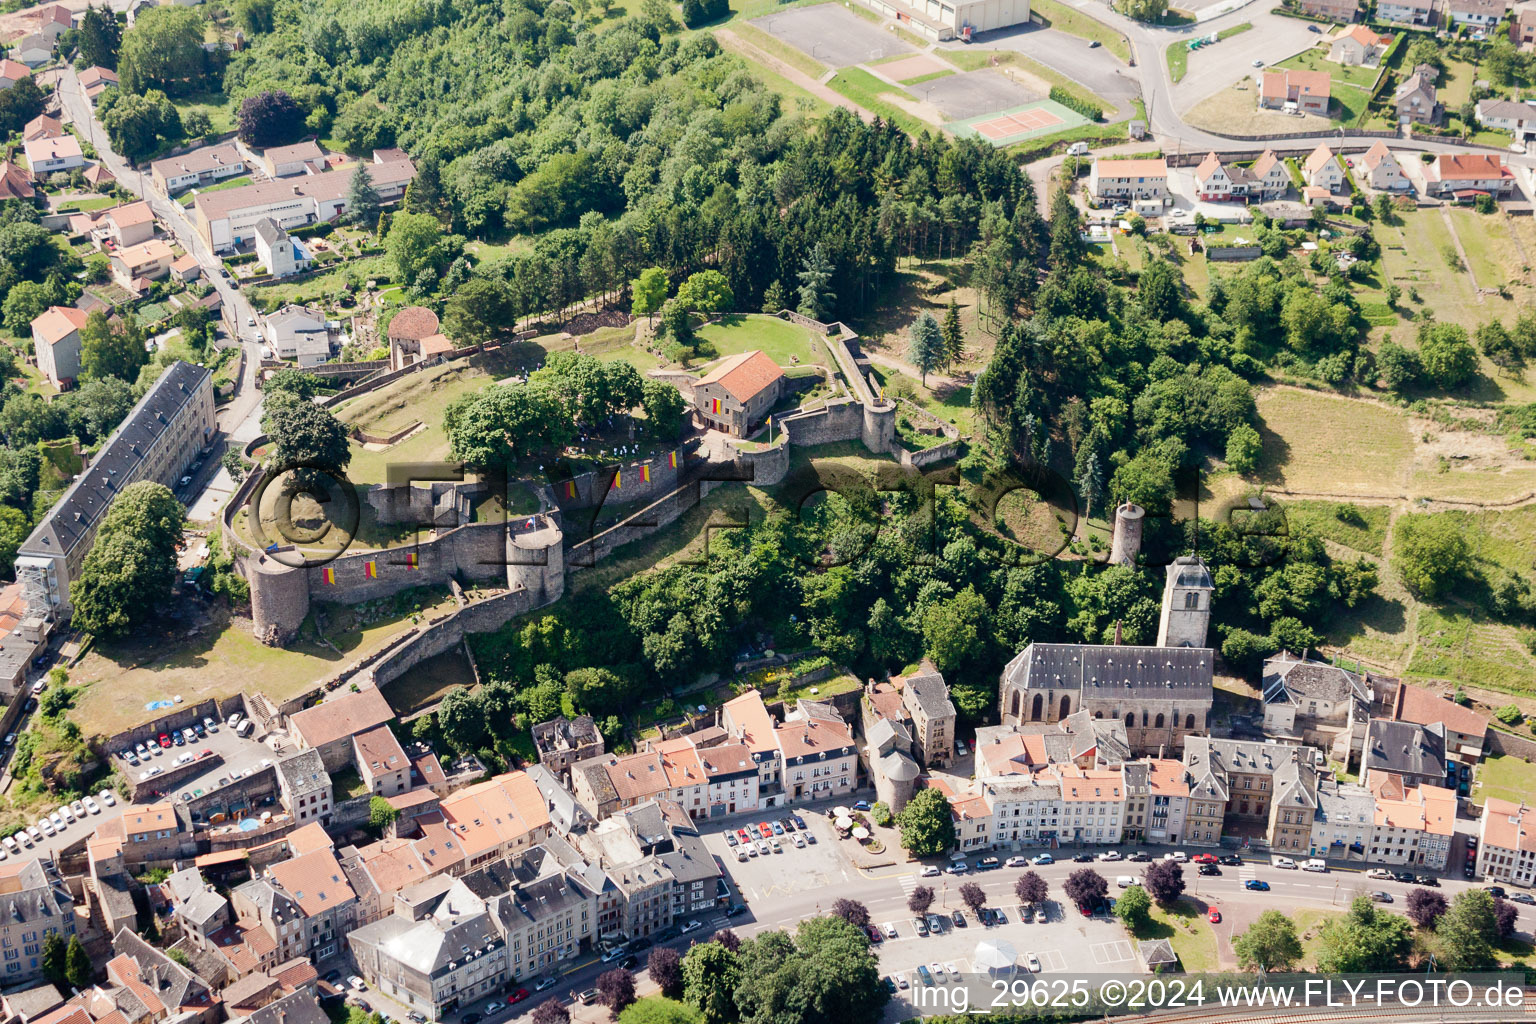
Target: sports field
1042, 117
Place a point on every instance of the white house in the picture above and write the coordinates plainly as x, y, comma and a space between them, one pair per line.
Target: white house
281, 255
49, 156
1507, 115
1270, 178
1357, 45
1323, 170
229, 217
1382, 170
1411, 12
1129, 179
300, 333
56, 340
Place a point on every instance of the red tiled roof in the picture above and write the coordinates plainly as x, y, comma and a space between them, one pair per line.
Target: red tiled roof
744, 376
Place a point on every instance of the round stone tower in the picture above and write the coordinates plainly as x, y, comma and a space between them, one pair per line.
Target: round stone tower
536, 557
1127, 541
279, 599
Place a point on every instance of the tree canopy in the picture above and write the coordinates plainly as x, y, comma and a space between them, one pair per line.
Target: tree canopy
927, 824
132, 564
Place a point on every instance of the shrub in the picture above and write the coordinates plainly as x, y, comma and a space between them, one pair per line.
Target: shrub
1069, 99
1509, 715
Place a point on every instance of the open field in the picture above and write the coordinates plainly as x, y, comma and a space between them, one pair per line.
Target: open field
1308, 436
223, 658
270, 296
786, 343
1506, 777
1316, 59
1235, 110
1362, 528
872, 94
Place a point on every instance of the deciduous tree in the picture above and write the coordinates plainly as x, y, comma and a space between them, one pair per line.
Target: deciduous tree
1164, 881
273, 118
1133, 907
973, 896
1084, 886
920, 899
665, 968
852, 911
927, 824
132, 564
616, 989
1269, 944
1425, 906
1031, 888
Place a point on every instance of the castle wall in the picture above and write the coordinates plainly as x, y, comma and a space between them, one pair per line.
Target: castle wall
443, 636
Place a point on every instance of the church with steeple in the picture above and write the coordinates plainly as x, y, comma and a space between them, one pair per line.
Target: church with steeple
1161, 693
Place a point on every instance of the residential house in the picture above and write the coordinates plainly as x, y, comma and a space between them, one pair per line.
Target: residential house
186, 268
445, 953
1313, 702
129, 225
150, 834
544, 905
1268, 178
1167, 800
53, 21
34, 50
1506, 849
1026, 808
496, 819
304, 786
147, 261
159, 438
1409, 754
1522, 24
381, 761
98, 177
303, 334
1344, 821
300, 158
228, 217
197, 906
1466, 731
1264, 789
36, 904
1412, 827
746, 719
296, 1008
305, 905
1129, 179
1344, 11
738, 394
925, 696
202, 166
1411, 12
328, 727
1381, 169
1215, 181
658, 865
561, 742
51, 156
1465, 175
1516, 118
97, 80
414, 337
56, 342
1415, 101
1476, 14
165, 989
11, 72
817, 752
282, 255
1323, 170
1289, 89
29, 1004
705, 781
1357, 46
43, 126
15, 183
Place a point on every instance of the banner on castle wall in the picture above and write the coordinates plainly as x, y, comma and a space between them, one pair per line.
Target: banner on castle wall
371, 570
328, 574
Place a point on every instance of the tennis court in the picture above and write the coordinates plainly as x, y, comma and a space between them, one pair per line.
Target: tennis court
1043, 117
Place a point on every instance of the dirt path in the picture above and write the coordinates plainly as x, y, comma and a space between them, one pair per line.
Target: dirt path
1445, 213
731, 41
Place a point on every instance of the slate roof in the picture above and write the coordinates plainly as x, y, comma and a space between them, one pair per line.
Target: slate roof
299, 1008
1109, 671
1289, 678
931, 694
304, 773
1405, 748
75, 517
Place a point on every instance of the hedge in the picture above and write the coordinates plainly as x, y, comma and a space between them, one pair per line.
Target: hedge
1072, 101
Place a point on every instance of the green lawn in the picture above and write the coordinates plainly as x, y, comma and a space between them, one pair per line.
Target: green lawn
1079, 23
238, 181
1506, 777
86, 205
1361, 527
1235, 30
270, 296
1185, 928
1178, 60
785, 343
215, 104
1316, 59
870, 93
1309, 924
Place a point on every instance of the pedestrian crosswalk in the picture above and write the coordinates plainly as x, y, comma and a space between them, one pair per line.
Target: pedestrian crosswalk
1247, 873
908, 883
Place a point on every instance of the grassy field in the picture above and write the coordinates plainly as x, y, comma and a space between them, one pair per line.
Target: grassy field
1506, 777
874, 95
1316, 59
785, 343
1185, 928
1178, 60
1083, 25
269, 296
1308, 436
1309, 924
1362, 528
120, 679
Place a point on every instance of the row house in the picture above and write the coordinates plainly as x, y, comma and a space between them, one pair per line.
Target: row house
1344, 11
1402, 756
34, 904
1464, 731
496, 819
706, 781
304, 904
1506, 849
1414, 828
1476, 14
1257, 788
1129, 179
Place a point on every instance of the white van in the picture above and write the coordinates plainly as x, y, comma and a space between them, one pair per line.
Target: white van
1126, 881
1078, 149
243, 729
1315, 865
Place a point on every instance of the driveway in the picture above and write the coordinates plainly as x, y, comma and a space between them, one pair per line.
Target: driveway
1213, 68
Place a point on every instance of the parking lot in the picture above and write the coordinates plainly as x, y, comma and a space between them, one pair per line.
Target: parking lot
817, 865
236, 757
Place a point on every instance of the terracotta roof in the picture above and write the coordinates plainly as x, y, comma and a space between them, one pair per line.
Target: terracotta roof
1504, 826
152, 251
1146, 168
438, 848
1093, 784
500, 810
309, 838
184, 263
41, 126
61, 148
436, 344
98, 75
393, 864
750, 715
342, 717
58, 14
1166, 777
15, 184
13, 70
428, 767
725, 759
1420, 706
295, 973
130, 214
970, 807
1318, 160
1361, 35
1278, 84
1013, 754
413, 323
380, 751
1468, 166
744, 376
1267, 160
813, 737
315, 881
149, 818
13, 607
1209, 166
1375, 155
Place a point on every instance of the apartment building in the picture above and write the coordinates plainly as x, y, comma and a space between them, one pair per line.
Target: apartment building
1414, 829
56, 341
1506, 849
496, 819
202, 166
158, 439
305, 905
35, 904
1129, 179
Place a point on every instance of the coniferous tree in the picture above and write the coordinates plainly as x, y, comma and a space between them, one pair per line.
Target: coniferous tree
954, 343
925, 346
816, 295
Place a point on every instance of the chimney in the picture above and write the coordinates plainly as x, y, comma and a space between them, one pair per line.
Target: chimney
1117, 633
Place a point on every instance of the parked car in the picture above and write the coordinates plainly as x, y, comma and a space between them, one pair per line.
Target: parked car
1111, 855
1177, 857
1140, 856
1378, 873
1033, 963
959, 867
1231, 860
165, 742
210, 725
691, 926
730, 839
1427, 880
1214, 916
1523, 897
799, 841
1315, 864
778, 829
614, 954
1016, 862
920, 926
958, 917
763, 829
1496, 891
1204, 858
1402, 876
988, 864
1284, 862
923, 975
1042, 858
547, 982
799, 821
890, 931
929, 871
1082, 858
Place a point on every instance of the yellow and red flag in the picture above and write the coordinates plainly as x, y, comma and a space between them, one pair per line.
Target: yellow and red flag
618, 478
673, 460
570, 488
645, 472
328, 574
412, 561
371, 570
